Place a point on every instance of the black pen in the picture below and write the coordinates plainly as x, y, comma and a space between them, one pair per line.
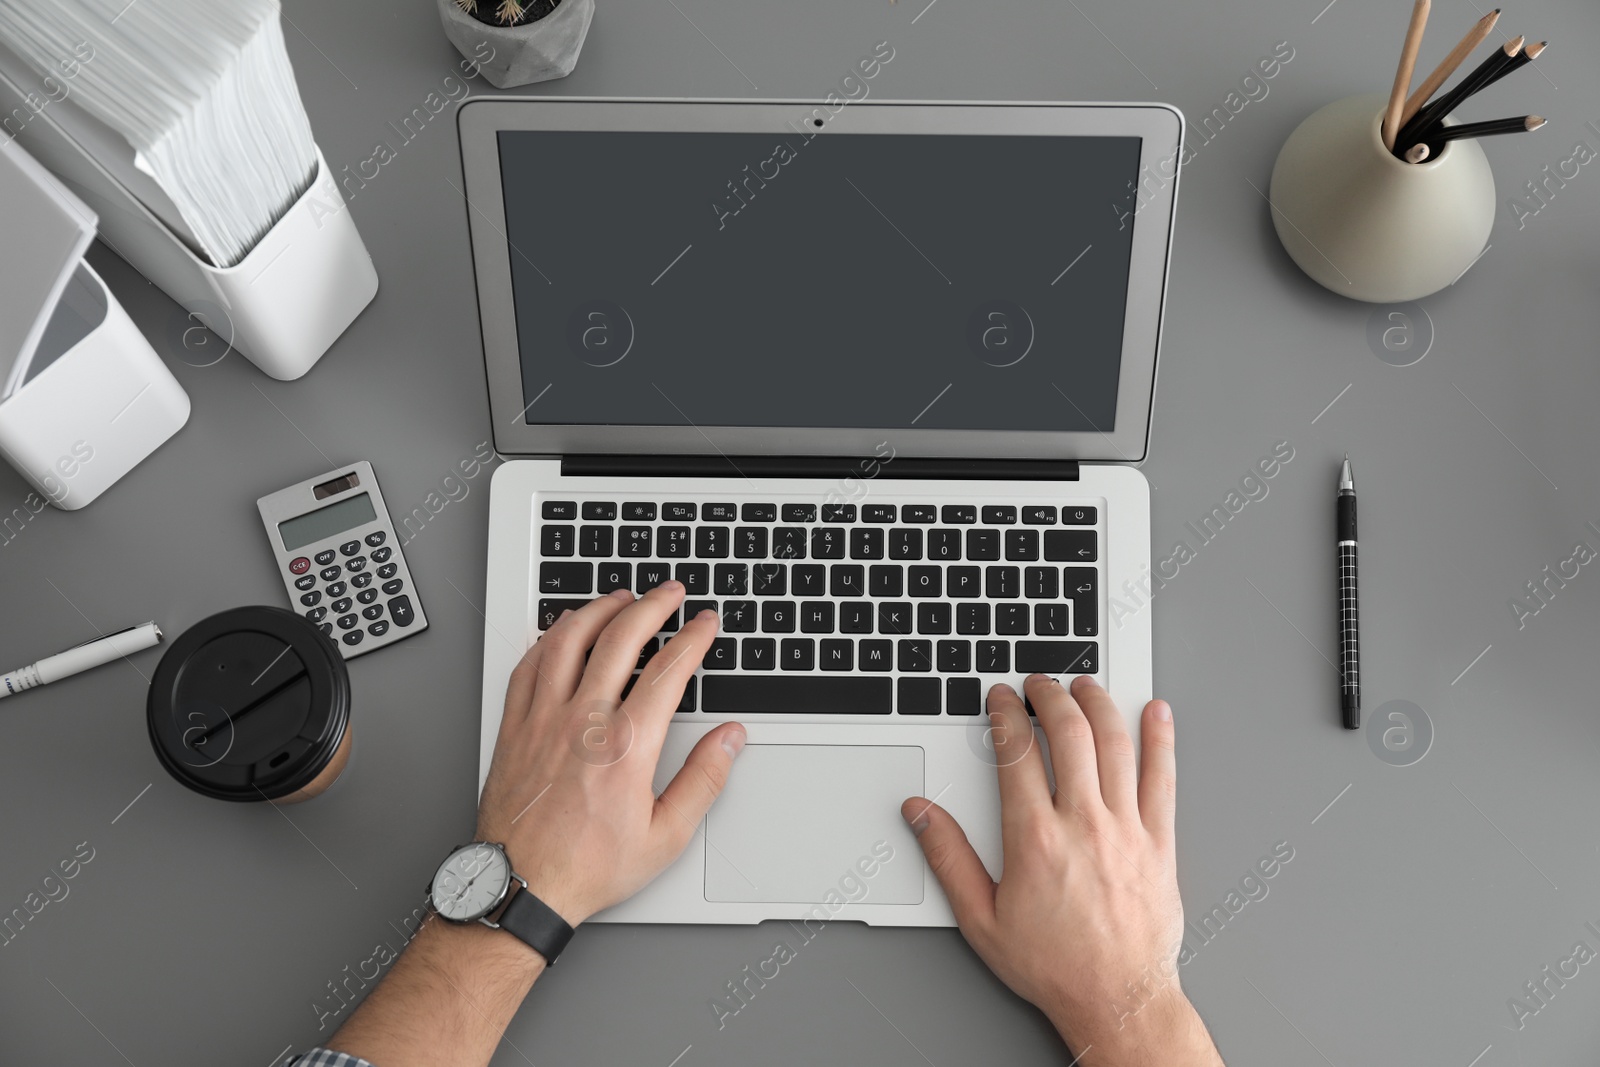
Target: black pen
1349, 605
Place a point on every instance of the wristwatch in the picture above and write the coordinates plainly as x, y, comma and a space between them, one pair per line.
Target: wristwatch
473, 883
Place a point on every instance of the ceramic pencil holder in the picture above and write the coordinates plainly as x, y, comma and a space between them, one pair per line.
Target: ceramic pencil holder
1368, 225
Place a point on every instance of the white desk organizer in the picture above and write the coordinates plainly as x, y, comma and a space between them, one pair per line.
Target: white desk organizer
98, 409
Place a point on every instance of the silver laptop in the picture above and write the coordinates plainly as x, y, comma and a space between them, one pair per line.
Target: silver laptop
872, 381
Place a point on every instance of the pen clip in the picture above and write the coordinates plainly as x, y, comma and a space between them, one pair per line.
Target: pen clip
118, 633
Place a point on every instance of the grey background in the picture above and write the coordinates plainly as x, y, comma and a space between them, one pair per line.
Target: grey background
1414, 906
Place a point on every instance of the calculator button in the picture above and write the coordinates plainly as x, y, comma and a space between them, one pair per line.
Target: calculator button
366, 596
359, 563
325, 557
330, 573
376, 539
379, 628
559, 509
326, 628
340, 605
299, 565
400, 611
391, 588
316, 614
376, 612
382, 555
353, 637
361, 581
599, 510
305, 583
310, 599
346, 621
336, 589
387, 570
350, 548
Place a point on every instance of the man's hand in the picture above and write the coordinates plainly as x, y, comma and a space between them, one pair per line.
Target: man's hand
1086, 920
569, 791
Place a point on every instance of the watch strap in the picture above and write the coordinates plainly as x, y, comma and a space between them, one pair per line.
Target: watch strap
534, 922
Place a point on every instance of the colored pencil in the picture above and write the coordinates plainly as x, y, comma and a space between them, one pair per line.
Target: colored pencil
1403, 72
1464, 48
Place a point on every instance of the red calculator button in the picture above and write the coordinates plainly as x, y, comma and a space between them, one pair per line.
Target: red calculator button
299, 565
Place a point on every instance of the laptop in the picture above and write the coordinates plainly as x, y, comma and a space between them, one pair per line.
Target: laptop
873, 381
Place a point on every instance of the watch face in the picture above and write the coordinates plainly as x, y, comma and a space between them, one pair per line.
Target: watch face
471, 882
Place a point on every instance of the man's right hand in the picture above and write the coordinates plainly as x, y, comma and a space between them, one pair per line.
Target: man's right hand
1086, 921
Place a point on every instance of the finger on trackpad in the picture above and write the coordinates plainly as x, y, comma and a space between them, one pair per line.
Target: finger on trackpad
797, 823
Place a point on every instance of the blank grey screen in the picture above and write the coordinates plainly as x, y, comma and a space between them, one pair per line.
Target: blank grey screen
845, 280
325, 522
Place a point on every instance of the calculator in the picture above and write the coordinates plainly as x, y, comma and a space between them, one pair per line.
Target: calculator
340, 559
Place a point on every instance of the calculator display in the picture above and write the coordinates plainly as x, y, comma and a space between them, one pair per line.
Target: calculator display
325, 522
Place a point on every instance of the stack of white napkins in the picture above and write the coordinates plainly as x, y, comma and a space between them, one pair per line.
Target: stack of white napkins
203, 92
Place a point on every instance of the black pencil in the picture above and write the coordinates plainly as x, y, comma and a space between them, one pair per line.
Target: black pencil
1523, 58
1520, 124
1483, 74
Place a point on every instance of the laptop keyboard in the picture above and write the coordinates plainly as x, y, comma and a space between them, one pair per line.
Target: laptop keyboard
877, 608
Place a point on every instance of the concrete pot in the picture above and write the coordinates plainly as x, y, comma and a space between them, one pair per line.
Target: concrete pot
518, 55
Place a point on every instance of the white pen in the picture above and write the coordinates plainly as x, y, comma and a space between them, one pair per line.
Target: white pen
80, 658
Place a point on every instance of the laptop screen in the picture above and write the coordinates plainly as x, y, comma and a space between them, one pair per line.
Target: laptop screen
949, 282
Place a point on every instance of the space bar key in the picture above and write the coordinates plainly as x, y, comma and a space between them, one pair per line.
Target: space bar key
796, 695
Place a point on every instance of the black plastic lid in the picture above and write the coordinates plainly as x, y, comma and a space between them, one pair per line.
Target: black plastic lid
249, 704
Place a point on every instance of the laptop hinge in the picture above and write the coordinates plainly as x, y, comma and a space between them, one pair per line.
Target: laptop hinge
705, 466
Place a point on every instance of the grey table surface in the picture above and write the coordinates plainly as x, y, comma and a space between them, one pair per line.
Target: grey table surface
1420, 899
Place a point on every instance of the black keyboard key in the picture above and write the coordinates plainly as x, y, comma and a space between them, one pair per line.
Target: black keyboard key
827, 543
648, 649
1022, 544
633, 541
944, 544
1000, 515
777, 617
816, 617
614, 575
731, 579
855, 617
1081, 585
711, 542
954, 656
905, 544
963, 583
686, 702
758, 654
595, 541
958, 514
866, 542
918, 696
847, 579
962, 696
721, 656
678, 512
750, 542
916, 656
808, 579
1079, 516
566, 577
797, 695
559, 509
983, 544
894, 617
650, 575
691, 608
878, 513
994, 657
769, 579
718, 512
886, 580
1041, 583
739, 616
838, 654
1011, 619
1050, 620
838, 513
1057, 657
925, 581
919, 513
1073, 546
972, 618
799, 513
789, 542
798, 654
638, 511
1039, 515
934, 617
758, 513
1002, 583
556, 540
599, 510
696, 578
673, 542
876, 655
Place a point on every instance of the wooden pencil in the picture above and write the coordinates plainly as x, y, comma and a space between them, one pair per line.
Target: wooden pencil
1464, 48
1392, 117
1417, 153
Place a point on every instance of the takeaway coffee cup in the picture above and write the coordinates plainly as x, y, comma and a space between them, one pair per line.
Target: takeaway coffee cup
252, 704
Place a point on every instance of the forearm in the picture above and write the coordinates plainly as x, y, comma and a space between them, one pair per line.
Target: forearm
1166, 1032
447, 999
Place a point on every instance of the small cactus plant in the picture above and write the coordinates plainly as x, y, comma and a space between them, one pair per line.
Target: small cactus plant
507, 12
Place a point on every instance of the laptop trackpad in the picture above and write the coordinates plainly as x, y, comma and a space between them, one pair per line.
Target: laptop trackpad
816, 824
